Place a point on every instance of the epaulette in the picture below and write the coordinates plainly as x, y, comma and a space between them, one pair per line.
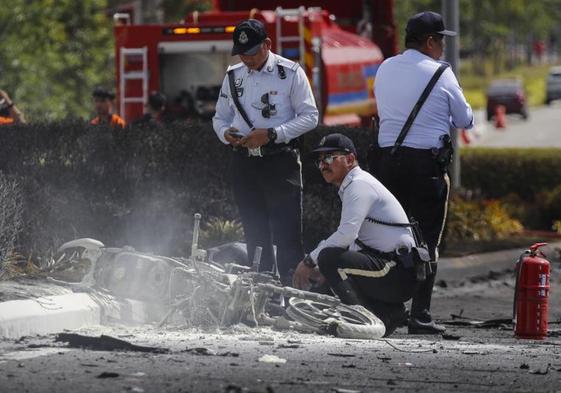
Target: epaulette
234, 67
289, 64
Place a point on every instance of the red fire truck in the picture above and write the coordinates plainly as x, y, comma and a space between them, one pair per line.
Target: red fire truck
187, 61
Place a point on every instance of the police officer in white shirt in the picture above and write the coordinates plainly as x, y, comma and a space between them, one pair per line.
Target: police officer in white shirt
416, 172
275, 105
360, 261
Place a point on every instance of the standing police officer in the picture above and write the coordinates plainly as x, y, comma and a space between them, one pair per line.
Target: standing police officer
416, 171
265, 103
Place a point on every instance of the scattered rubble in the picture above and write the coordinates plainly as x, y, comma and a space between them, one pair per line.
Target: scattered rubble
271, 359
103, 343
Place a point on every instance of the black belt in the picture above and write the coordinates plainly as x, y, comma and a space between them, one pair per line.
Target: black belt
265, 150
411, 151
391, 256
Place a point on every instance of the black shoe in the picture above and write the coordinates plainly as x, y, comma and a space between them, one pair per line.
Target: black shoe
416, 326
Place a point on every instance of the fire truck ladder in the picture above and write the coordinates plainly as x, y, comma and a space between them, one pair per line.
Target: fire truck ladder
141, 75
280, 14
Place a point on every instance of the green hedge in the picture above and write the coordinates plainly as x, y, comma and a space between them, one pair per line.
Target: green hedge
496, 173
138, 186
141, 186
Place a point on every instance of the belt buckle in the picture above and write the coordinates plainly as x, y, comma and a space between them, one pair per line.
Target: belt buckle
255, 152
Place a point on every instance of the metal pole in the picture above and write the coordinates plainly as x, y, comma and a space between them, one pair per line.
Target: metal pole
451, 16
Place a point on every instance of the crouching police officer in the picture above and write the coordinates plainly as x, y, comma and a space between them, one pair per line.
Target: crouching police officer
265, 103
373, 258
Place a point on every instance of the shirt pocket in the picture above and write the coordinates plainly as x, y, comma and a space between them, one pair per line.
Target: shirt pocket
281, 101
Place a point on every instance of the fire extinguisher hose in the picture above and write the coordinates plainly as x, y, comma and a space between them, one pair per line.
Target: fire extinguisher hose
516, 285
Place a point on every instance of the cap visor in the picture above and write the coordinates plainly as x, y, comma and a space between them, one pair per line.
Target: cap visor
236, 50
315, 152
449, 33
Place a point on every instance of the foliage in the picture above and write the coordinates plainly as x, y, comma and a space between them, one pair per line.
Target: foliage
175, 10
53, 54
479, 220
553, 207
141, 187
15, 265
218, 231
496, 173
11, 215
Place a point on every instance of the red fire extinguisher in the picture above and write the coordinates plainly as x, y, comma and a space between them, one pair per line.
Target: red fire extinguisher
531, 294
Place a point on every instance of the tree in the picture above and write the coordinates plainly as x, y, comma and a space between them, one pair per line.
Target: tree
53, 53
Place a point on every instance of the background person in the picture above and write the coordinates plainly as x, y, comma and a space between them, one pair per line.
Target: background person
9, 112
155, 109
103, 102
417, 173
266, 170
359, 260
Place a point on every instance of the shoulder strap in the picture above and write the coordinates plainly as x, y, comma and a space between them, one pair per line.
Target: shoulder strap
417, 107
236, 99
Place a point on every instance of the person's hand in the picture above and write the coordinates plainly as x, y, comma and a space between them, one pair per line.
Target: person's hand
317, 278
230, 137
256, 138
302, 275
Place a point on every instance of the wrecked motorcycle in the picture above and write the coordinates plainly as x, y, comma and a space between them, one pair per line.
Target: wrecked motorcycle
200, 292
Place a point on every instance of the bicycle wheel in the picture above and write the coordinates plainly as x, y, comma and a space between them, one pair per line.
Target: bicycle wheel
340, 320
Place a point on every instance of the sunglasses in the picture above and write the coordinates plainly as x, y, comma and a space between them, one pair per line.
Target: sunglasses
269, 109
328, 159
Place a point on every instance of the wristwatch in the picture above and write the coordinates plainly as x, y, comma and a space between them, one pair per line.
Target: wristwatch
308, 261
272, 134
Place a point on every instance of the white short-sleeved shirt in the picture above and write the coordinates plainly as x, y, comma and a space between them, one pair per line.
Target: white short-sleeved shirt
295, 110
364, 196
400, 80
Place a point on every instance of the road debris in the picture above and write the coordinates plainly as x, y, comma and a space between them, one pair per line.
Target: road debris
108, 374
541, 370
460, 320
272, 359
103, 343
471, 352
201, 351
289, 346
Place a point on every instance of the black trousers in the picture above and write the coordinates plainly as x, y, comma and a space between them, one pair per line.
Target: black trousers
422, 188
268, 193
375, 279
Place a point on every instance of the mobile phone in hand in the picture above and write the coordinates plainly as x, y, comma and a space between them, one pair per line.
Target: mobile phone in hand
235, 134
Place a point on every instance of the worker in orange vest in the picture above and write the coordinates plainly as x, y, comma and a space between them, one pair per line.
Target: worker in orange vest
103, 101
9, 113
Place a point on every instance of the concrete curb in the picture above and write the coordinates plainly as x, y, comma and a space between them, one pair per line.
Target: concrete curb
47, 314
53, 314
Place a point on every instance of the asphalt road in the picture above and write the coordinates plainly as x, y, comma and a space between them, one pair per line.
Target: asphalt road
542, 129
244, 359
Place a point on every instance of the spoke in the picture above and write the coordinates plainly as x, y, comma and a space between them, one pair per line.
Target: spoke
356, 321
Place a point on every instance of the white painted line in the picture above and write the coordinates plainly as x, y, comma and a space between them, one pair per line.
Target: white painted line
30, 354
